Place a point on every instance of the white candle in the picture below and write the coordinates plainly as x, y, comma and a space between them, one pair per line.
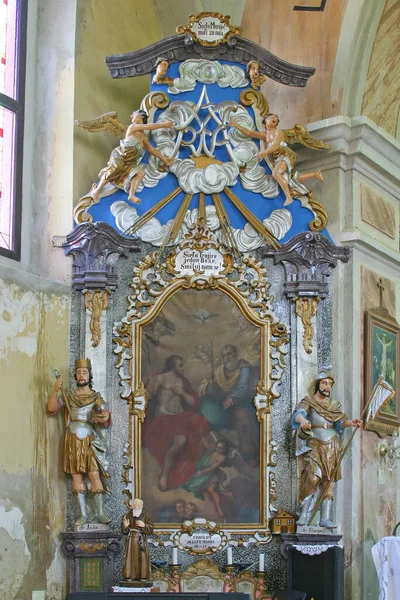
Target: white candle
261, 562
229, 555
174, 556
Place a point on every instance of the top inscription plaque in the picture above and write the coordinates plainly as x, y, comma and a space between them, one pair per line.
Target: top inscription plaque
209, 28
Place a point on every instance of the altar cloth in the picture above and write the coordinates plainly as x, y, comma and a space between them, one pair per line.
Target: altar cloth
386, 556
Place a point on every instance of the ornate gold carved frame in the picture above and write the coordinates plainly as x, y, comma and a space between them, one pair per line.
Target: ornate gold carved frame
245, 282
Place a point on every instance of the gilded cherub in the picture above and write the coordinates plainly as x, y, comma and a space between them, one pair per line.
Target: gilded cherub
253, 72
123, 168
283, 158
162, 65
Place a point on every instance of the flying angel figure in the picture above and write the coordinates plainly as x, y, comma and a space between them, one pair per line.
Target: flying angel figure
123, 168
282, 159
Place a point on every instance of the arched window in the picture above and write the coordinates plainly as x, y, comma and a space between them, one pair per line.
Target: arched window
13, 15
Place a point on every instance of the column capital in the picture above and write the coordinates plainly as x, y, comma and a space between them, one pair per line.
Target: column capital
95, 249
307, 259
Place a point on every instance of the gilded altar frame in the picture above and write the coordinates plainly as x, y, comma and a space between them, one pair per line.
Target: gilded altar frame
244, 280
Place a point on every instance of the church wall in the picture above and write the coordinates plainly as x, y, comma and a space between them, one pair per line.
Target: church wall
128, 26
34, 336
380, 509
381, 96
34, 319
361, 179
284, 31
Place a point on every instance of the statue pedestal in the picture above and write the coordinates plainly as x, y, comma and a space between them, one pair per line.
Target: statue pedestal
91, 555
91, 527
315, 564
314, 536
136, 584
126, 586
124, 589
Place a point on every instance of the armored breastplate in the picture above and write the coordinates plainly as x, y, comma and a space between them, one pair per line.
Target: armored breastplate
322, 429
79, 423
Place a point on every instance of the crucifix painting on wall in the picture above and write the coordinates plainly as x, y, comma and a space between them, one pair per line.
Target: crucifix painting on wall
382, 358
200, 452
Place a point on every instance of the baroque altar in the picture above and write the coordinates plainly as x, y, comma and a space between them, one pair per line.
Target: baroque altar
202, 298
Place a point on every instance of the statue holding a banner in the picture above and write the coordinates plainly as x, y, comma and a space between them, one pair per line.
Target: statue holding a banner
319, 421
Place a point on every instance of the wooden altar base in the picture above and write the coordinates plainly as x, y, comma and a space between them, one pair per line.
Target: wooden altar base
157, 596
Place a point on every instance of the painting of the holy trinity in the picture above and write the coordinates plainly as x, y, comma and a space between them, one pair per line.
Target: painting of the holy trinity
200, 437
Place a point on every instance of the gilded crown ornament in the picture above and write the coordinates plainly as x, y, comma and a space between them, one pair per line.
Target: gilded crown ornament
83, 363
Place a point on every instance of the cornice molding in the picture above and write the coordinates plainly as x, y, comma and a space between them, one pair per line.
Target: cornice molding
353, 143
182, 47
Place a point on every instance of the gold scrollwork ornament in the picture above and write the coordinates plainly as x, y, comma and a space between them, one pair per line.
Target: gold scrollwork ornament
90, 548
138, 406
256, 99
95, 302
306, 309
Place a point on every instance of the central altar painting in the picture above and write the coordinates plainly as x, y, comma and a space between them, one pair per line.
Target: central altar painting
200, 441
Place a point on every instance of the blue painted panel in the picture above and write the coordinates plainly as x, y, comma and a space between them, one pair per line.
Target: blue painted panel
261, 207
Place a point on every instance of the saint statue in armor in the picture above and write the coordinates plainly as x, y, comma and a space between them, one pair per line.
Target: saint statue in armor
320, 422
84, 446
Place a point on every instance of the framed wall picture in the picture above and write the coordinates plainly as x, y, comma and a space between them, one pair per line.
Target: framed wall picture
382, 355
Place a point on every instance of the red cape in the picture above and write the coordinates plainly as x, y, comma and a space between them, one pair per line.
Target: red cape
160, 431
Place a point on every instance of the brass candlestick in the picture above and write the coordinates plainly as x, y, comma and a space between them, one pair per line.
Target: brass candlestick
229, 569
175, 569
260, 574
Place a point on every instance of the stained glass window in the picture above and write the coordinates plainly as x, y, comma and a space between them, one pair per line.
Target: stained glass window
12, 82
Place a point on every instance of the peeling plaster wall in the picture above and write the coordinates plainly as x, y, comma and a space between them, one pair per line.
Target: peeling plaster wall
34, 335
34, 319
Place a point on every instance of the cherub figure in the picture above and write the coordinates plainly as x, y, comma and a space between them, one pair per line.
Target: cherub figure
283, 158
253, 72
207, 482
123, 168
162, 65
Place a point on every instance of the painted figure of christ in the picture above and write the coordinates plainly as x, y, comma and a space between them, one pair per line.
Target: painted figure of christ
173, 429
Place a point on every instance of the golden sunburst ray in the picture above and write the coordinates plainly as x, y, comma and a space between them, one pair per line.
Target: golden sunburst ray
254, 222
202, 208
225, 224
176, 225
151, 212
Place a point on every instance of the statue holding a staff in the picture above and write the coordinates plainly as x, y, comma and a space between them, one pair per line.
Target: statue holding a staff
320, 421
84, 446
